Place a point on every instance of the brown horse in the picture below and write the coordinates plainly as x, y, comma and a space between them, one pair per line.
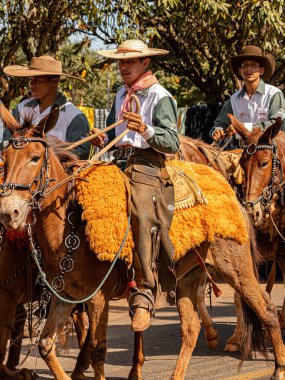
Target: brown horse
263, 163
17, 287
195, 150
30, 164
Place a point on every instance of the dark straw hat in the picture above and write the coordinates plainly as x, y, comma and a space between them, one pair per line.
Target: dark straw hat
254, 53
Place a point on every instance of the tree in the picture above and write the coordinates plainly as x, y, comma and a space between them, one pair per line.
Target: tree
35, 27
201, 35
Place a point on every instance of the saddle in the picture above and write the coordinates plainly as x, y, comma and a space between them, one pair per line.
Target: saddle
187, 193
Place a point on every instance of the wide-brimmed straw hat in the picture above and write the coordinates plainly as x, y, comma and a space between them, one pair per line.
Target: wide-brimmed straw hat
254, 53
44, 65
132, 49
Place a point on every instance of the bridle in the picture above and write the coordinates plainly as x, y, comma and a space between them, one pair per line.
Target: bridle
267, 194
38, 186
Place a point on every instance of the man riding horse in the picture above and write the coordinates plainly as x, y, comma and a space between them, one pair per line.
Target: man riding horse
257, 104
152, 134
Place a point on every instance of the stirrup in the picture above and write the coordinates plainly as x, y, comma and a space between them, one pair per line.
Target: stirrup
134, 292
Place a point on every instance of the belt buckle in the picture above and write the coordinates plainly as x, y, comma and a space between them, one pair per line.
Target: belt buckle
127, 152
117, 153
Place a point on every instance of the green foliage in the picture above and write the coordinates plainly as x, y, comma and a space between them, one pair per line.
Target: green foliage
34, 27
201, 35
101, 80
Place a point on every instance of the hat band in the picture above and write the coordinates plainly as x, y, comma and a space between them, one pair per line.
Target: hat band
126, 50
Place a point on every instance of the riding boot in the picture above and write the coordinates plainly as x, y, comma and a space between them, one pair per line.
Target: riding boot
141, 309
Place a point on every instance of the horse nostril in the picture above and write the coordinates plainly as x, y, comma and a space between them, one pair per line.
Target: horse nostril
16, 212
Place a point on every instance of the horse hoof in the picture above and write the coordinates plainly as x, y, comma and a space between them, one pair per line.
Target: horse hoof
232, 347
279, 374
134, 376
212, 343
26, 374
78, 376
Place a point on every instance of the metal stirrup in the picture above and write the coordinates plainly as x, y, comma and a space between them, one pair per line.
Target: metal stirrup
144, 294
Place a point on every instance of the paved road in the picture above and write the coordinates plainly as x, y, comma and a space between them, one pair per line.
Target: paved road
162, 343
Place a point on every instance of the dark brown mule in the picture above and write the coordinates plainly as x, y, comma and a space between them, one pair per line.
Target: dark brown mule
14, 291
17, 287
26, 159
263, 163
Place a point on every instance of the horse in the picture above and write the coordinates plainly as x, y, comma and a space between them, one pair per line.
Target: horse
17, 287
225, 162
264, 171
31, 166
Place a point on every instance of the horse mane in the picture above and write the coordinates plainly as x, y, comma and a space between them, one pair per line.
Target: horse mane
210, 152
66, 157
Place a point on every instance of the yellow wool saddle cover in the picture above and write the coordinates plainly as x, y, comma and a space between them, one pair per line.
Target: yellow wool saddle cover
104, 199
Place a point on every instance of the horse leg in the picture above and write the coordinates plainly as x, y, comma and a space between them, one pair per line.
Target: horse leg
58, 315
98, 320
16, 338
235, 265
83, 360
8, 308
281, 314
211, 334
138, 357
234, 342
186, 293
81, 323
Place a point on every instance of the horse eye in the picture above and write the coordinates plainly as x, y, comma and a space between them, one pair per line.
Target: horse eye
35, 158
263, 165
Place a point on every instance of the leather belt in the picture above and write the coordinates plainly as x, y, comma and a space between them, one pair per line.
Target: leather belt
124, 153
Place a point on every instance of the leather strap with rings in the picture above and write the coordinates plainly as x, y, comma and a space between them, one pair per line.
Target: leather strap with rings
124, 153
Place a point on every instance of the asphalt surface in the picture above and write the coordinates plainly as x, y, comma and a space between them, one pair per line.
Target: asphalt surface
162, 344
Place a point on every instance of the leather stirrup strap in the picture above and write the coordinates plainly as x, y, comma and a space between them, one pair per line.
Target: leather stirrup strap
216, 289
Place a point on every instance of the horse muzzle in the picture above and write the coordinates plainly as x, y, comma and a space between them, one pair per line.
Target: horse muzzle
14, 212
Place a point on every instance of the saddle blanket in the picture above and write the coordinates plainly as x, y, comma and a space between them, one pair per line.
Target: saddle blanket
105, 202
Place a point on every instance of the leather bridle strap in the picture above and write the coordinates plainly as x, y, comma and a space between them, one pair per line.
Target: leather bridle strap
41, 182
264, 198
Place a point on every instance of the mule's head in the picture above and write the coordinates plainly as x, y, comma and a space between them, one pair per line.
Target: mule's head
259, 162
25, 168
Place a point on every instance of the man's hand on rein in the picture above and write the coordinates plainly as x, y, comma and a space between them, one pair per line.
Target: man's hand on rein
99, 140
219, 134
135, 122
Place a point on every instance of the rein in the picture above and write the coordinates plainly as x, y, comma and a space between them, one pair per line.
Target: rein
66, 265
35, 256
267, 194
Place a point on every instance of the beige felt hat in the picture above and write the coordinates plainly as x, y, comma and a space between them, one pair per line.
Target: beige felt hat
254, 53
132, 49
44, 65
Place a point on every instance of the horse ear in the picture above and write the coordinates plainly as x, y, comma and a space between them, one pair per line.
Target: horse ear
272, 131
48, 122
9, 121
238, 126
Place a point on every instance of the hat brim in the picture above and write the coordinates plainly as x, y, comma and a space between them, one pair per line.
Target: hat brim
113, 54
266, 61
25, 71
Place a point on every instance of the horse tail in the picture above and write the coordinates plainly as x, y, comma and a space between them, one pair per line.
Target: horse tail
254, 333
257, 259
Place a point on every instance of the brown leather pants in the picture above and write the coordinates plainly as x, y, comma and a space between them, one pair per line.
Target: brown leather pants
152, 212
